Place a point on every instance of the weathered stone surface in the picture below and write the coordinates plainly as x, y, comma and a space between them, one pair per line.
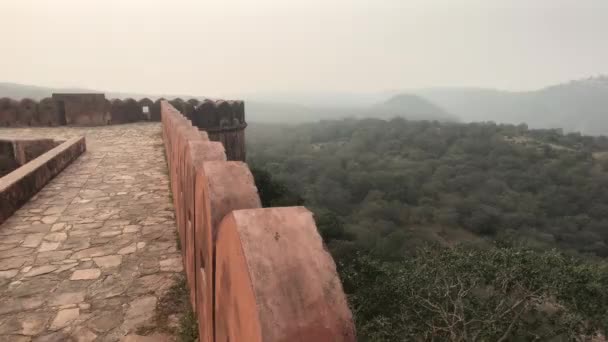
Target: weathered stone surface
36, 271
150, 338
128, 250
131, 229
34, 323
19, 251
84, 335
108, 261
171, 265
9, 305
48, 246
49, 219
84, 109
76, 244
114, 207
153, 283
56, 237
10, 263
110, 233
93, 252
58, 227
32, 240
51, 256
13, 238
140, 312
8, 274
64, 317
58, 336
67, 298
10, 325
84, 204
265, 261
15, 338
87, 274
105, 321
17, 187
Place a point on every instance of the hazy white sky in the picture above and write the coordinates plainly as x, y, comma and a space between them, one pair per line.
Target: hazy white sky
221, 47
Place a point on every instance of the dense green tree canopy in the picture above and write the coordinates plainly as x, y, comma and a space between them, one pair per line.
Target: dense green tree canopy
412, 178
448, 232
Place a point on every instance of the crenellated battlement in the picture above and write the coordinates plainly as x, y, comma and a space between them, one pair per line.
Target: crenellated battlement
224, 121
212, 115
255, 274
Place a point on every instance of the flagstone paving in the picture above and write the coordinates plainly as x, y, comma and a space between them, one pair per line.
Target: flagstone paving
86, 258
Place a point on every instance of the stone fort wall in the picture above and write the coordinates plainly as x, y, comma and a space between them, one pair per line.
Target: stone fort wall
255, 274
224, 121
75, 110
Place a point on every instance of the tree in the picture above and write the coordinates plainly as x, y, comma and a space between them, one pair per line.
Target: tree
472, 294
274, 193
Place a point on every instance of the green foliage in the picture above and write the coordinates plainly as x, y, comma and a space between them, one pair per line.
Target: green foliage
472, 294
381, 189
188, 327
395, 178
176, 301
273, 193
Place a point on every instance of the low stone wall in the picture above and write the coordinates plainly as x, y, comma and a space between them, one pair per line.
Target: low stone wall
21, 184
254, 274
76, 110
17, 152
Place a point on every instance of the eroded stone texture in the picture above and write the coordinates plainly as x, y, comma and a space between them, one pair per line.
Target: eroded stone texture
27, 113
82, 109
224, 121
87, 224
8, 112
266, 259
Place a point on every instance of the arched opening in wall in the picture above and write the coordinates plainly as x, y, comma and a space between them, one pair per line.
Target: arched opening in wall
146, 112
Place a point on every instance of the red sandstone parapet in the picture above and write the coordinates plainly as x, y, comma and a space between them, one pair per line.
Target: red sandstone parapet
276, 282
18, 186
288, 290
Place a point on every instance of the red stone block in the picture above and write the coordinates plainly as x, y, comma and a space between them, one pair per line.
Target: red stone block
275, 282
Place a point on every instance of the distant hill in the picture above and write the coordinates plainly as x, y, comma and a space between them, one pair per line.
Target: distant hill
580, 106
278, 112
575, 106
411, 107
406, 106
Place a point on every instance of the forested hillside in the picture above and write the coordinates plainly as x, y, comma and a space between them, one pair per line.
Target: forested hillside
429, 219
405, 179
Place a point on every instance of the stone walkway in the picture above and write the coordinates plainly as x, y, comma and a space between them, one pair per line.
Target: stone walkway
90, 256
